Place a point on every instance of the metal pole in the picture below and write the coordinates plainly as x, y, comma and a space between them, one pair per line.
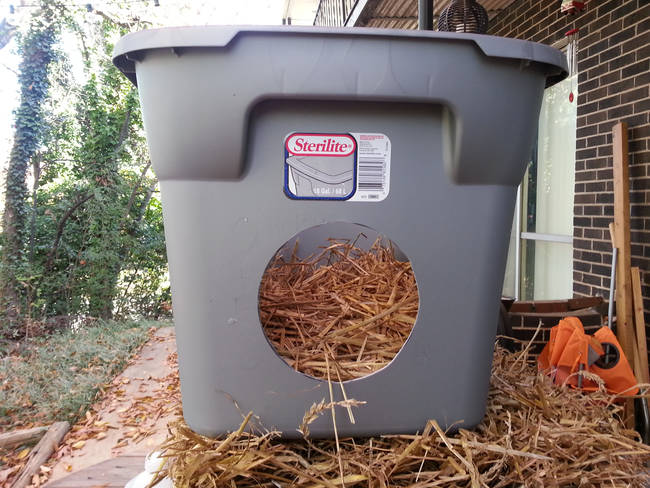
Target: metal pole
425, 14
518, 244
612, 287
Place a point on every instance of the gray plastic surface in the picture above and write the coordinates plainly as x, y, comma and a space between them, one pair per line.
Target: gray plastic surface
216, 119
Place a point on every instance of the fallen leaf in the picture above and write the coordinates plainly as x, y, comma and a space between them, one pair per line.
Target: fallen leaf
4, 474
23, 454
78, 444
100, 436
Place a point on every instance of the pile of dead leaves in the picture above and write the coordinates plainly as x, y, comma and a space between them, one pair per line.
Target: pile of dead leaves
12, 461
136, 417
137, 414
534, 434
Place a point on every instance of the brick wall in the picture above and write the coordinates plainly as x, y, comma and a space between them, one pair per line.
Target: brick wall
524, 326
613, 80
526, 317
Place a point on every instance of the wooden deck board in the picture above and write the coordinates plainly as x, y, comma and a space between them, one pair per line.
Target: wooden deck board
112, 473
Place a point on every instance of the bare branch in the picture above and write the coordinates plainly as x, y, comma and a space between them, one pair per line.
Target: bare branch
129, 205
61, 226
112, 20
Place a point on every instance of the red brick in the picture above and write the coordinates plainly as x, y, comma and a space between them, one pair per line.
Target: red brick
637, 146
642, 106
638, 15
592, 210
625, 60
637, 94
622, 35
605, 174
585, 198
597, 163
608, 78
620, 86
610, 54
639, 67
604, 151
605, 198
597, 94
642, 79
593, 233
598, 140
620, 111
623, 10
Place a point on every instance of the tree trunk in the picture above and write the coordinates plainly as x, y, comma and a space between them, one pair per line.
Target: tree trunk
36, 168
132, 229
37, 54
101, 305
61, 227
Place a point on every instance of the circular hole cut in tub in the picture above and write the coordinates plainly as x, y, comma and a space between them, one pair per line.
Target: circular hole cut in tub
339, 298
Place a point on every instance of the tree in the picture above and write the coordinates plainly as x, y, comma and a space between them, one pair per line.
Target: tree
36, 48
90, 240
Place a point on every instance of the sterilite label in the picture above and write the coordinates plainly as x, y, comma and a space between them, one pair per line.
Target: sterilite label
321, 166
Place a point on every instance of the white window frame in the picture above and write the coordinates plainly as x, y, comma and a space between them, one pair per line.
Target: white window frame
562, 44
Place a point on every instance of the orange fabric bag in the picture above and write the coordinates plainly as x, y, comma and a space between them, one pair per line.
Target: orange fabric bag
570, 350
618, 376
560, 335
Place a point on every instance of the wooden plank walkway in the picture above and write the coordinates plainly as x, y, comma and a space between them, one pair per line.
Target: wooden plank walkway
112, 473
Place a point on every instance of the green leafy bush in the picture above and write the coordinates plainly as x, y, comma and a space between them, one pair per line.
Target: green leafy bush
83, 230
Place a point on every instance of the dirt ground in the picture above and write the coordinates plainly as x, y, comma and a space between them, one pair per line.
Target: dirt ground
132, 416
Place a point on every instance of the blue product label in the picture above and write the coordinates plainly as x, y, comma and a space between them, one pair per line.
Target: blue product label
320, 166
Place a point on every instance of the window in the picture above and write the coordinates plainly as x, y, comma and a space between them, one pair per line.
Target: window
540, 259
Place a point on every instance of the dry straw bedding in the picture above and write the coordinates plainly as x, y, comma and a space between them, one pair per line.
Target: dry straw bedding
350, 307
534, 433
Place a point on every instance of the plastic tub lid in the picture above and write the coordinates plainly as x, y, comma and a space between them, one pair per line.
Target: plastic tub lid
126, 49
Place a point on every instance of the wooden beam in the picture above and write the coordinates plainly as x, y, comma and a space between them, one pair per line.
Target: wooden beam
23, 436
41, 453
624, 318
643, 374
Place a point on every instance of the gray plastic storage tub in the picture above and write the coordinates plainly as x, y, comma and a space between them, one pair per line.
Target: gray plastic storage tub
240, 123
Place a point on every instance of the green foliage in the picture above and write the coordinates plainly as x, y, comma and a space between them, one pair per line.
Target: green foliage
94, 245
58, 377
36, 49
